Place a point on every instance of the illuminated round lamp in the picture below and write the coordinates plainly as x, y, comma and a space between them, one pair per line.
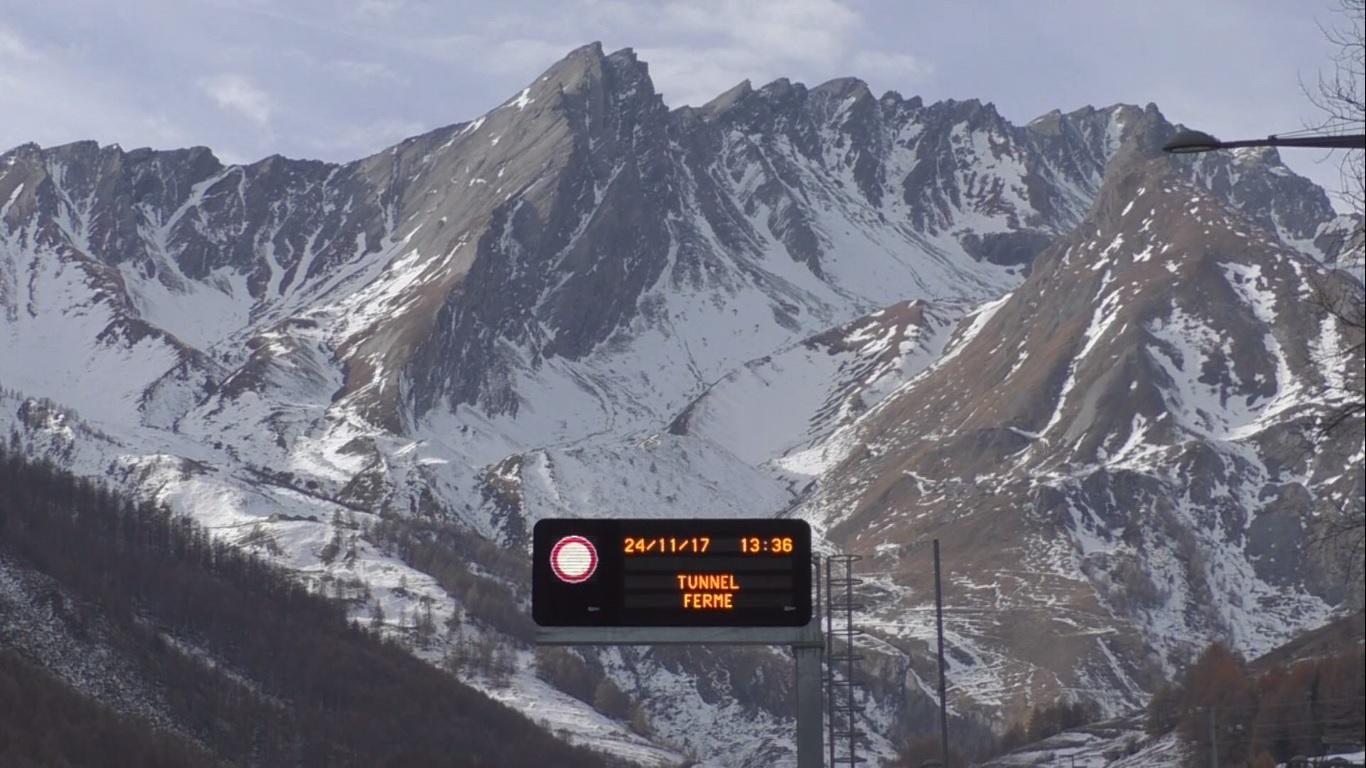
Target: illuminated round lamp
573, 559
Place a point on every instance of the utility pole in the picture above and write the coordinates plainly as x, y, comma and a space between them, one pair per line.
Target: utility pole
808, 653
943, 701
1213, 741
830, 654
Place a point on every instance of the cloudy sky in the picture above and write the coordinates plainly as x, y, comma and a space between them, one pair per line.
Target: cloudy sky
342, 79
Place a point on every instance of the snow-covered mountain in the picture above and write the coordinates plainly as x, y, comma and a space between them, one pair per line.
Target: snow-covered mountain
1136, 431
1042, 344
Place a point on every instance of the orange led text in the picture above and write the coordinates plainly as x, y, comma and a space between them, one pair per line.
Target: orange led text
708, 591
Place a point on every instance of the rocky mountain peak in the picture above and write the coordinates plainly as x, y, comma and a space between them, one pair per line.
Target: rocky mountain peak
1257, 181
892, 102
579, 69
590, 74
722, 103
522, 198
1140, 133
841, 88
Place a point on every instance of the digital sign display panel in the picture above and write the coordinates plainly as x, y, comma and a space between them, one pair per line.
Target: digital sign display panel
663, 573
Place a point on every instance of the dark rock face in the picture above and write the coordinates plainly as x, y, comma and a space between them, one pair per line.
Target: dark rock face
210, 217
1282, 203
1005, 248
562, 270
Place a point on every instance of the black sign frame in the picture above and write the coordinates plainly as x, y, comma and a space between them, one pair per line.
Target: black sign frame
771, 587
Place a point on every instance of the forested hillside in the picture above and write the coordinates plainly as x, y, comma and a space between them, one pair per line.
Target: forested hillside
44, 723
249, 668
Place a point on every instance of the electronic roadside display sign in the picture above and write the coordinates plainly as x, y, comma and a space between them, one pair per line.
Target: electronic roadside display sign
671, 573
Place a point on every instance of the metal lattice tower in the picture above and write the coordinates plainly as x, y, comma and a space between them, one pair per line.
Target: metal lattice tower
841, 660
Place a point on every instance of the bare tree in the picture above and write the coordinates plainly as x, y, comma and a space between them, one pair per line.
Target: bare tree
1341, 294
1341, 101
1339, 97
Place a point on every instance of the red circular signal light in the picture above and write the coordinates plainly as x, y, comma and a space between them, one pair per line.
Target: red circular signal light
573, 559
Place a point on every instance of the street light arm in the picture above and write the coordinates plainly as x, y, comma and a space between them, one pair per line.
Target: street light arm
1188, 142
1326, 142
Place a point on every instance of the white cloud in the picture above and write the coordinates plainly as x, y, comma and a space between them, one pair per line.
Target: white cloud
893, 66
793, 30
362, 72
50, 97
351, 71
12, 46
715, 44
377, 10
695, 76
236, 93
521, 56
365, 138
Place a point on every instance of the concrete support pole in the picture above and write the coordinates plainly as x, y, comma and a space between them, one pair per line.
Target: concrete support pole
1213, 741
810, 708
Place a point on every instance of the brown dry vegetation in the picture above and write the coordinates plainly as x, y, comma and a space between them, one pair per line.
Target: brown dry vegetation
1257, 717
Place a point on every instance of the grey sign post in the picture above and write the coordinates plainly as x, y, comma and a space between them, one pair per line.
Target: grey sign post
686, 582
806, 643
